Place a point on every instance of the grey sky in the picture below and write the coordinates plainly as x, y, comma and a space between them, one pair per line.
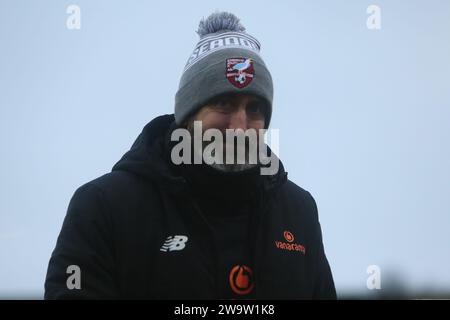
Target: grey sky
363, 117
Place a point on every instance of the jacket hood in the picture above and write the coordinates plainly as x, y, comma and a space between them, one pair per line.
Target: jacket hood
147, 157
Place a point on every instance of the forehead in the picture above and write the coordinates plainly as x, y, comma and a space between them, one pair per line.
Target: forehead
235, 97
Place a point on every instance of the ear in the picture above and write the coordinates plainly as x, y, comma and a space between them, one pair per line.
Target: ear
189, 123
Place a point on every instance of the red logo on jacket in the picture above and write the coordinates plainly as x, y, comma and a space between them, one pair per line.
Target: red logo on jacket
241, 279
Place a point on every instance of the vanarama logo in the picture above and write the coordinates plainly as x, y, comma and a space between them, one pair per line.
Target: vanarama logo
290, 245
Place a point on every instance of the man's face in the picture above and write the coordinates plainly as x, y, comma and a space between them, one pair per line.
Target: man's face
233, 112
237, 111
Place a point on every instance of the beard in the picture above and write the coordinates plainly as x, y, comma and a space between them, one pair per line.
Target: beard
236, 149
232, 167
235, 166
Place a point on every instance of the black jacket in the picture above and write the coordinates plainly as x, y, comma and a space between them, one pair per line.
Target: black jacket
141, 231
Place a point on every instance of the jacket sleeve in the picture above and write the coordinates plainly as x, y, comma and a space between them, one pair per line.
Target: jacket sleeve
323, 285
85, 241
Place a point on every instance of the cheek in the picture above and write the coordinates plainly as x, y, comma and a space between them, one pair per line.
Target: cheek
214, 120
256, 124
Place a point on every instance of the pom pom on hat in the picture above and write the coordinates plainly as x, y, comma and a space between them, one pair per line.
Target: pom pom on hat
219, 21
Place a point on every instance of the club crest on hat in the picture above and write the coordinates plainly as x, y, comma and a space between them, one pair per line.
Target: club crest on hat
240, 71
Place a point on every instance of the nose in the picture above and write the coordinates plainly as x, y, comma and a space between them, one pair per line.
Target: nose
238, 119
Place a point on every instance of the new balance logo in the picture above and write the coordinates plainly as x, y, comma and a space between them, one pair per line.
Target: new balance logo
174, 243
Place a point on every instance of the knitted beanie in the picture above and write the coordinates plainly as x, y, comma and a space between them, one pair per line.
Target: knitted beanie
225, 60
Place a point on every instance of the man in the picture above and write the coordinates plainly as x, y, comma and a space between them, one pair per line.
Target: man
160, 228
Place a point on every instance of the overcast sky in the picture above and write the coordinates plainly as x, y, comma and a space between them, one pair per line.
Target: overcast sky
363, 117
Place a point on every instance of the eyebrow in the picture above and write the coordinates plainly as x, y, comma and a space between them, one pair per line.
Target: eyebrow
250, 98
233, 99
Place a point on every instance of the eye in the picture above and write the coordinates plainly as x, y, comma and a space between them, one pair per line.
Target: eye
255, 108
223, 104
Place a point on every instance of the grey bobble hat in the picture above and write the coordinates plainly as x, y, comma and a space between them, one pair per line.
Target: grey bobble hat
225, 60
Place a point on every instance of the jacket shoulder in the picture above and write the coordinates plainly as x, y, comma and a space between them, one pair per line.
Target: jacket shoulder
296, 189
299, 197
122, 186
117, 181
122, 194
